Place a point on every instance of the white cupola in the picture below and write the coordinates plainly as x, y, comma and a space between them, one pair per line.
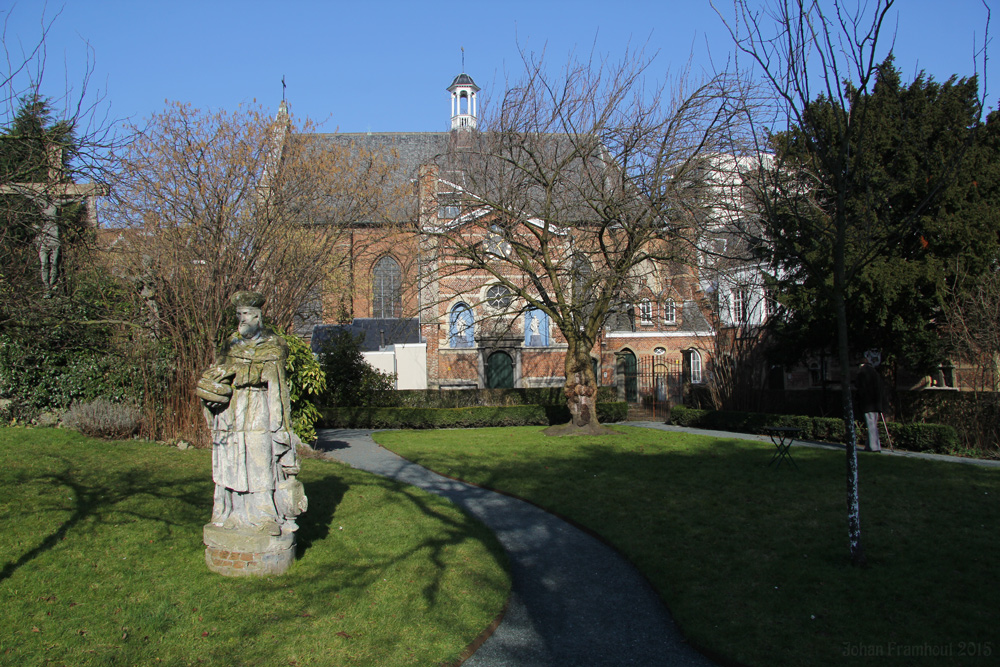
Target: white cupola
463, 102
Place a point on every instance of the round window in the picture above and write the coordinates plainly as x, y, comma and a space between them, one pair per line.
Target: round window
660, 350
498, 297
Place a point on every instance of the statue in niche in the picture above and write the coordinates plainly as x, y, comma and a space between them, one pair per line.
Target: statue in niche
246, 404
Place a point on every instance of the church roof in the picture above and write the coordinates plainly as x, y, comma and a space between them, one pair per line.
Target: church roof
404, 152
407, 150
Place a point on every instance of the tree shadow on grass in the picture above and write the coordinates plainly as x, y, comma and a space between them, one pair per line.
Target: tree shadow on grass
451, 528
731, 540
93, 500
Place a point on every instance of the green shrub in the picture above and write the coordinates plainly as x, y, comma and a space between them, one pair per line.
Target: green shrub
938, 438
353, 381
40, 376
101, 418
974, 414
467, 398
471, 417
306, 382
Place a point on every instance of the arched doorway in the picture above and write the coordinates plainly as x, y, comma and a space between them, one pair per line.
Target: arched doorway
499, 371
630, 373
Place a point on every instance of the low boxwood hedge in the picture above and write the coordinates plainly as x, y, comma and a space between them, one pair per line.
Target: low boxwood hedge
910, 437
516, 415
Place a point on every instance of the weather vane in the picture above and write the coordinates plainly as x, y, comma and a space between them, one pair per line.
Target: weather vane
283, 87
463, 58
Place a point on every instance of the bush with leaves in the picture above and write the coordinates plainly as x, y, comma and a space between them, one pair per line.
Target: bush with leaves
72, 347
306, 381
468, 417
356, 383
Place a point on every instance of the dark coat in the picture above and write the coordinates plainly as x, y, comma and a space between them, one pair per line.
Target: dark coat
869, 389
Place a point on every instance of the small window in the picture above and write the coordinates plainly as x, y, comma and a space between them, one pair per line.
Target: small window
494, 243
660, 351
770, 304
645, 312
740, 305
498, 297
449, 205
669, 312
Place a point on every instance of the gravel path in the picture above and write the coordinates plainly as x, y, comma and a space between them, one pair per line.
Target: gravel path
574, 600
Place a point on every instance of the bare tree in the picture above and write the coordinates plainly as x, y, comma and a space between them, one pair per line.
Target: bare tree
973, 330
206, 204
817, 64
574, 195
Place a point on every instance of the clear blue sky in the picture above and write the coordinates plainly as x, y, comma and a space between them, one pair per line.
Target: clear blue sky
384, 66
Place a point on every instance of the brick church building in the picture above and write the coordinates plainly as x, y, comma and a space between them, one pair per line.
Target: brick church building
437, 329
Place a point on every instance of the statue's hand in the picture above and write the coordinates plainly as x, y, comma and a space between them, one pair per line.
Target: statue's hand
216, 373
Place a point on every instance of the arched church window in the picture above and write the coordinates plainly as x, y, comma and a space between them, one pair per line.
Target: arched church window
461, 332
386, 294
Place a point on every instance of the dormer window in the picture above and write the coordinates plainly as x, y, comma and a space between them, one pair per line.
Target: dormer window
646, 312
669, 312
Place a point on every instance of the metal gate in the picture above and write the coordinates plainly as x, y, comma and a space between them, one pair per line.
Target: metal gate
658, 382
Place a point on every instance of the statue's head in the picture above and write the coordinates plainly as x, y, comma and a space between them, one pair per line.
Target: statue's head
248, 313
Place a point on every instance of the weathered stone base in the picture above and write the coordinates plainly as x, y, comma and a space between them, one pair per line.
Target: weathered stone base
238, 553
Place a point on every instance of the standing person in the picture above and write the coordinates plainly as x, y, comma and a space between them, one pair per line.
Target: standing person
870, 401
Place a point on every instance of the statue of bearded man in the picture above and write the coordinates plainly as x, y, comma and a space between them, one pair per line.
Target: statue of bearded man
245, 396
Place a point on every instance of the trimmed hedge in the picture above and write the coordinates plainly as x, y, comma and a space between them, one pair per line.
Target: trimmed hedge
516, 415
937, 438
472, 397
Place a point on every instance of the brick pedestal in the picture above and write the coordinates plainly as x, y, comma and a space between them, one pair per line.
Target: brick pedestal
237, 553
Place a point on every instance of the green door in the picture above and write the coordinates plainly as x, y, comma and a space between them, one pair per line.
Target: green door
630, 369
499, 371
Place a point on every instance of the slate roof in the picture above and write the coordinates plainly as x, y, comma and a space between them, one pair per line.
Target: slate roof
692, 319
404, 151
463, 79
370, 330
411, 149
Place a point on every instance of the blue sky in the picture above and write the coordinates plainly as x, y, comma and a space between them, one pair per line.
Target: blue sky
384, 66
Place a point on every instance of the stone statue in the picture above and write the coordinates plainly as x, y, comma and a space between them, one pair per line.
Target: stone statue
254, 463
535, 336
48, 247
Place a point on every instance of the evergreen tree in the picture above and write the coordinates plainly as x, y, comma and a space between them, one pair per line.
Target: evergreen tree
914, 208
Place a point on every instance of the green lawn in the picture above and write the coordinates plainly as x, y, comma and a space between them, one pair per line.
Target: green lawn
102, 564
752, 560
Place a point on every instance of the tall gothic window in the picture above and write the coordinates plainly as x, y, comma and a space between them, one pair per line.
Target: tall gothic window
386, 298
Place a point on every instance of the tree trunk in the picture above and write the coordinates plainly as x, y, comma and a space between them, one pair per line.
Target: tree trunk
843, 355
581, 395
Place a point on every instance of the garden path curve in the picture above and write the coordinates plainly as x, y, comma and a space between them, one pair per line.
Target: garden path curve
574, 600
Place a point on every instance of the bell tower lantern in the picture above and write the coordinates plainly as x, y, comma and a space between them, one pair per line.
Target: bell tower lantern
463, 102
